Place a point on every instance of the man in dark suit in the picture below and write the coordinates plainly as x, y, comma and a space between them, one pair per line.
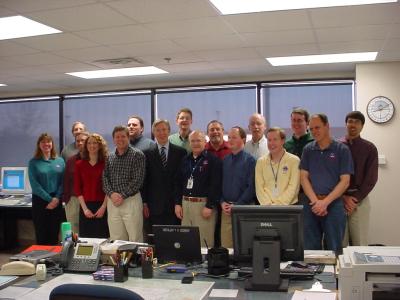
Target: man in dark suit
162, 162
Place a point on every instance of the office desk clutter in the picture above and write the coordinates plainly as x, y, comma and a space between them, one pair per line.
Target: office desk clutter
147, 258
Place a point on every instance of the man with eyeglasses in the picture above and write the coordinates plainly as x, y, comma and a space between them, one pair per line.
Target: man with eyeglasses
301, 136
356, 201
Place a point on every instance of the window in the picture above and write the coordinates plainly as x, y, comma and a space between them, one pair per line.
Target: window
230, 105
102, 112
333, 99
21, 123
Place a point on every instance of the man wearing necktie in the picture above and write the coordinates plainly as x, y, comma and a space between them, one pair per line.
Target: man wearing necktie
162, 162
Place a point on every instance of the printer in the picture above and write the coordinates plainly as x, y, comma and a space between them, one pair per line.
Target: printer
367, 273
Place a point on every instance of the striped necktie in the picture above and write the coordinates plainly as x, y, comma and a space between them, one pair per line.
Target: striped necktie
163, 156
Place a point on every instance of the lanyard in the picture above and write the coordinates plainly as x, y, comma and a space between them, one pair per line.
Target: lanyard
277, 170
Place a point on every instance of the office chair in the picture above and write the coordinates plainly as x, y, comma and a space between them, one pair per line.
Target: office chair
72, 291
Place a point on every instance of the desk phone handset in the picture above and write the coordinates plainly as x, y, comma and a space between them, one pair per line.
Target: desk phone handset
84, 257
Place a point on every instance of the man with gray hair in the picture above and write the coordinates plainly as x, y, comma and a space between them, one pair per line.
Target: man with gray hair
162, 163
257, 146
199, 188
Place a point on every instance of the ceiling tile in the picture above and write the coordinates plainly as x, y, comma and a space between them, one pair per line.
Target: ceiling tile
211, 42
228, 54
90, 54
174, 58
187, 67
24, 6
191, 28
354, 15
288, 50
83, 17
149, 48
356, 46
269, 21
120, 35
146, 11
276, 38
352, 33
55, 42
37, 59
9, 48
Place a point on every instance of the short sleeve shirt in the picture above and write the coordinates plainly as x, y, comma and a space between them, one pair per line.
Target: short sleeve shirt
326, 166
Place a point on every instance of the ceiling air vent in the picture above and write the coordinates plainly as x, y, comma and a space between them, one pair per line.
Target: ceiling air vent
120, 62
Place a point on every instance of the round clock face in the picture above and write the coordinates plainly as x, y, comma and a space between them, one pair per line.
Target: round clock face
380, 109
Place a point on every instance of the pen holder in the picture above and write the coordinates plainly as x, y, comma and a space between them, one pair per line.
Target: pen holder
147, 269
121, 273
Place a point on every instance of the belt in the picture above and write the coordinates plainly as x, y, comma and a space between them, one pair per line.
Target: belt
321, 197
195, 199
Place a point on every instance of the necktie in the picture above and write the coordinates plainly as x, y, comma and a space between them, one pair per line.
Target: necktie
163, 156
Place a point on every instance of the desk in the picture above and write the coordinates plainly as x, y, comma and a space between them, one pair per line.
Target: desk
9, 214
163, 281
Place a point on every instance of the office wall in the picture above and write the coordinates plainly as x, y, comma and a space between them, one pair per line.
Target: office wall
382, 79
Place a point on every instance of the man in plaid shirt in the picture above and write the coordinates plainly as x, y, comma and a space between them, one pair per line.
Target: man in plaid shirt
122, 178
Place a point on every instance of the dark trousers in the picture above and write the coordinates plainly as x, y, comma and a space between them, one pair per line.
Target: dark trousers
95, 227
46, 221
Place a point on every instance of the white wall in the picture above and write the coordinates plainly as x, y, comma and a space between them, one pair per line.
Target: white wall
383, 79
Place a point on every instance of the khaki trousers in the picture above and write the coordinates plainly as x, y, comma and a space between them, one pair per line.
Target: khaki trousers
226, 231
72, 213
126, 221
356, 233
192, 217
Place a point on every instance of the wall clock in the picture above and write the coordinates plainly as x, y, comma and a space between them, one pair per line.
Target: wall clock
380, 109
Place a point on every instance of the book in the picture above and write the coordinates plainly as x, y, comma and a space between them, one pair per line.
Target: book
34, 253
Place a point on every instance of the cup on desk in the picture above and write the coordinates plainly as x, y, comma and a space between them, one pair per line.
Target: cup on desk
120, 273
147, 269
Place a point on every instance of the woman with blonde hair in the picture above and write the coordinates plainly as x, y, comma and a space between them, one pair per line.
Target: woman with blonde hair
89, 188
46, 171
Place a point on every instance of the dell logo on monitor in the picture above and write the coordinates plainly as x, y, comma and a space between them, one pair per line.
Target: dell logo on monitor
266, 224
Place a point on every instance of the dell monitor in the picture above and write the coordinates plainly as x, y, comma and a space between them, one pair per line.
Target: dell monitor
263, 236
15, 180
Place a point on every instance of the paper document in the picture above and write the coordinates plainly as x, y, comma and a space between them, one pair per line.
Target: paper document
302, 295
223, 293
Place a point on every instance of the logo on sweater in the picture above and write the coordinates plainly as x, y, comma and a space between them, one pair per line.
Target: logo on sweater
285, 169
332, 155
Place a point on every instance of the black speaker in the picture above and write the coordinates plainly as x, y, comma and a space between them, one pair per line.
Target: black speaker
218, 261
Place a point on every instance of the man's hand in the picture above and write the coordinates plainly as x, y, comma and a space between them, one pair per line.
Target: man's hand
226, 208
178, 211
100, 212
53, 203
146, 211
350, 204
320, 208
206, 212
88, 213
117, 199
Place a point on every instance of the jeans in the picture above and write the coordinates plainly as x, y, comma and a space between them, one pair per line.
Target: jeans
330, 227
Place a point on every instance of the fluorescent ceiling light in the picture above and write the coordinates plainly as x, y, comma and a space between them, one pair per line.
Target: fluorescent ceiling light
19, 26
118, 72
322, 59
2, 84
229, 7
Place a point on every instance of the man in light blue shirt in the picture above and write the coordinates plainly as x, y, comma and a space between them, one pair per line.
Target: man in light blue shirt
237, 183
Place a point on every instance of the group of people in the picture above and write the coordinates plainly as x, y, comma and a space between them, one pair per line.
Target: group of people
182, 178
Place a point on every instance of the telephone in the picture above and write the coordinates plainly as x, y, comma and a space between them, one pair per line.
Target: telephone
84, 257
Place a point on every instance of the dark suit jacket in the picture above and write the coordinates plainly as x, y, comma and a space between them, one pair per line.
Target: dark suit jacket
158, 189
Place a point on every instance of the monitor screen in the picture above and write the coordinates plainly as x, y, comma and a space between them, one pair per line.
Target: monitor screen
287, 221
177, 243
15, 180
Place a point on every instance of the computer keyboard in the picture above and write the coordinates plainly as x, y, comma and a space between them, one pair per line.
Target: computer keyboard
289, 271
9, 201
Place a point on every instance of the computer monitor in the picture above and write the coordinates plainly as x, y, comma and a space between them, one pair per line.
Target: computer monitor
15, 181
263, 236
177, 243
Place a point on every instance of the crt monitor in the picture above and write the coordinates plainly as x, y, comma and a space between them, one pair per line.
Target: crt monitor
263, 236
15, 180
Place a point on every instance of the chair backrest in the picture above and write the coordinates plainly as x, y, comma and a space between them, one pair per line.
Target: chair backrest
72, 291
